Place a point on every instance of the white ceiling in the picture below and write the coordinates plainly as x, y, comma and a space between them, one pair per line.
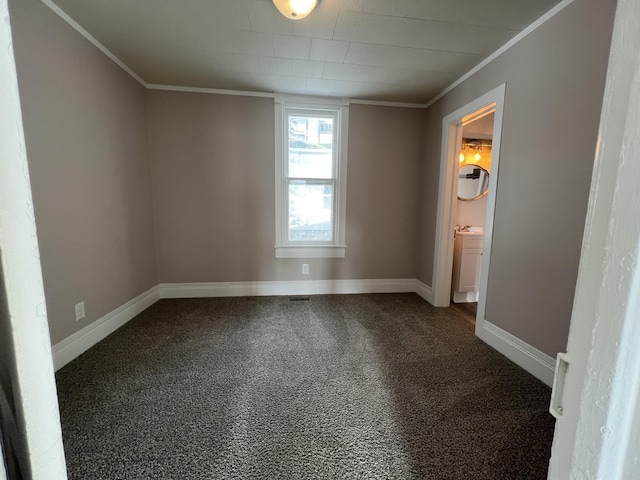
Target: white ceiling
480, 129
390, 50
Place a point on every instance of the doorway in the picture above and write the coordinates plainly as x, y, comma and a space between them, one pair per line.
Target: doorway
452, 133
474, 171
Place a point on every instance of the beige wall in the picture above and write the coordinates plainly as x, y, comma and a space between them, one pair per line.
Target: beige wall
555, 82
213, 176
472, 213
86, 134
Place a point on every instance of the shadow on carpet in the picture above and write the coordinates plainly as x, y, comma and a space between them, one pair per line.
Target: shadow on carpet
380, 386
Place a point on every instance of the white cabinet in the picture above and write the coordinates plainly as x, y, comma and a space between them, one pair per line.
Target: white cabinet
467, 259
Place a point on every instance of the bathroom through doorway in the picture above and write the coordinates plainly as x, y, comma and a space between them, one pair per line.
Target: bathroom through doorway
472, 186
490, 105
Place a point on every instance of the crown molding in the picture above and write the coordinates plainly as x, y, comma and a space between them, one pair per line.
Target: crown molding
530, 29
176, 88
213, 91
76, 26
387, 104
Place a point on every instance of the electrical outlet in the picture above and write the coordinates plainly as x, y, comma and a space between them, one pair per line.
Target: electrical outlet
305, 269
79, 311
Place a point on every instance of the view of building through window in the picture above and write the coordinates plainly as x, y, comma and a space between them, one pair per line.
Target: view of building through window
311, 178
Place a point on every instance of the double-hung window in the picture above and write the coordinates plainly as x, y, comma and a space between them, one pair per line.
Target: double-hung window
311, 146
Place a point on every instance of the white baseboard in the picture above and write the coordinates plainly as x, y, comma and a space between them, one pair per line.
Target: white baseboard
304, 287
81, 341
465, 297
424, 291
532, 360
537, 363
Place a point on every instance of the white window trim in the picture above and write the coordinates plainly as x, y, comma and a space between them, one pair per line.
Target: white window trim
283, 249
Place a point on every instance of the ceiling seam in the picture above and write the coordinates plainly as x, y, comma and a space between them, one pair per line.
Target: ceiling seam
429, 20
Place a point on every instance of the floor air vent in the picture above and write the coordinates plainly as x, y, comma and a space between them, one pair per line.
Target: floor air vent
298, 299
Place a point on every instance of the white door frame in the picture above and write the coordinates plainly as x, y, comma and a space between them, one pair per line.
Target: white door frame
3, 470
492, 101
24, 312
597, 405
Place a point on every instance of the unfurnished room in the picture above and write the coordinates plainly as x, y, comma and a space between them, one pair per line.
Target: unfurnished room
319, 239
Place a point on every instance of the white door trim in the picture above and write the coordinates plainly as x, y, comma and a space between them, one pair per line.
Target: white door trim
39, 451
597, 434
524, 355
3, 469
445, 223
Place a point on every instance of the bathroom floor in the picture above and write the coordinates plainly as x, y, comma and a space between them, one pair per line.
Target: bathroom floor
468, 310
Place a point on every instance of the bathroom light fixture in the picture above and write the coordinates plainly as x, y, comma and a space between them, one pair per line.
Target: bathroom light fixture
472, 151
295, 9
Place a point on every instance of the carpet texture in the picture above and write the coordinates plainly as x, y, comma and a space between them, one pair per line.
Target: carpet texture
380, 386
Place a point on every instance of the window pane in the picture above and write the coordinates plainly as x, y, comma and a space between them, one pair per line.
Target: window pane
310, 212
310, 147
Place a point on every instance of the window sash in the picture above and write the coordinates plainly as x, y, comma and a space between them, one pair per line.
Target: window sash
316, 107
318, 114
310, 181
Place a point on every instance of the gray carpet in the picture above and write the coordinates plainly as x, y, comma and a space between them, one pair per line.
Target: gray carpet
380, 386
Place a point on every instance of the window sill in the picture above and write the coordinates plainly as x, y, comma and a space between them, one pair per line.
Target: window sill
311, 251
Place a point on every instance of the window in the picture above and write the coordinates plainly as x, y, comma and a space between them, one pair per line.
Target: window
311, 146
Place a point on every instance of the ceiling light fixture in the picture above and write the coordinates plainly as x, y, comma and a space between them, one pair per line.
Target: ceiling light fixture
295, 9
